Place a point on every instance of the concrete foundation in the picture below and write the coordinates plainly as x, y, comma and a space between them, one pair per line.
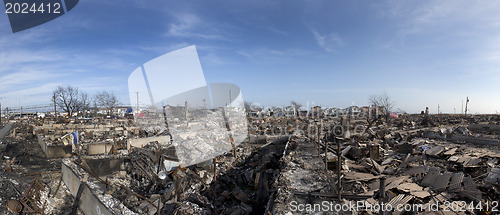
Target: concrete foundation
460, 138
93, 201
105, 166
99, 148
140, 142
54, 151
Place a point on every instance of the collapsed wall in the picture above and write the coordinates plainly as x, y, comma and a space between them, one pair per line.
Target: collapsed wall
96, 139
89, 191
132, 184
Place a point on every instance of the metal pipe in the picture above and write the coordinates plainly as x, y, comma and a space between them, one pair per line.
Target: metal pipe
215, 169
326, 156
381, 197
339, 169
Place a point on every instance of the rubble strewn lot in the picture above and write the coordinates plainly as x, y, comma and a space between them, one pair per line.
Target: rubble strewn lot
449, 162
24, 165
283, 163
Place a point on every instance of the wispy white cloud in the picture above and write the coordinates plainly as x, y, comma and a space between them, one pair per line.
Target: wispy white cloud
273, 54
185, 23
329, 42
15, 59
25, 73
191, 26
213, 59
278, 31
327, 91
19, 78
442, 17
468, 28
163, 49
43, 89
26, 83
100, 83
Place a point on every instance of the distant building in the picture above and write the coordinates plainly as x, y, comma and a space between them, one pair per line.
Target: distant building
276, 111
303, 111
122, 110
331, 111
291, 111
316, 111
365, 110
353, 111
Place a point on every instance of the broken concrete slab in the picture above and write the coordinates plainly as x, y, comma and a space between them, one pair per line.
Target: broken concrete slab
416, 170
434, 151
493, 176
456, 181
470, 189
472, 162
431, 176
442, 181
409, 187
451, 151
359, 176
421, 194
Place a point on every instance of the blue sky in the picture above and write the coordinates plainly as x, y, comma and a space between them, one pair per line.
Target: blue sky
328, 53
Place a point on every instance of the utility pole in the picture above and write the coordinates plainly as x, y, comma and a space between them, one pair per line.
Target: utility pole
186, 113
381, 197
229, 113
0, 113
339, 168
466, 103
462, 106
137, 104
55, 107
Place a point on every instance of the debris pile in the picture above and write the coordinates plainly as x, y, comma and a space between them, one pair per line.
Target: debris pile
241, 186
30, 182
413, 159
418, 164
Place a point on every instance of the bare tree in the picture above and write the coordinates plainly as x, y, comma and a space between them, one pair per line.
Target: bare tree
107, 100
66, 98
84, 102
248, 106
384, 101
